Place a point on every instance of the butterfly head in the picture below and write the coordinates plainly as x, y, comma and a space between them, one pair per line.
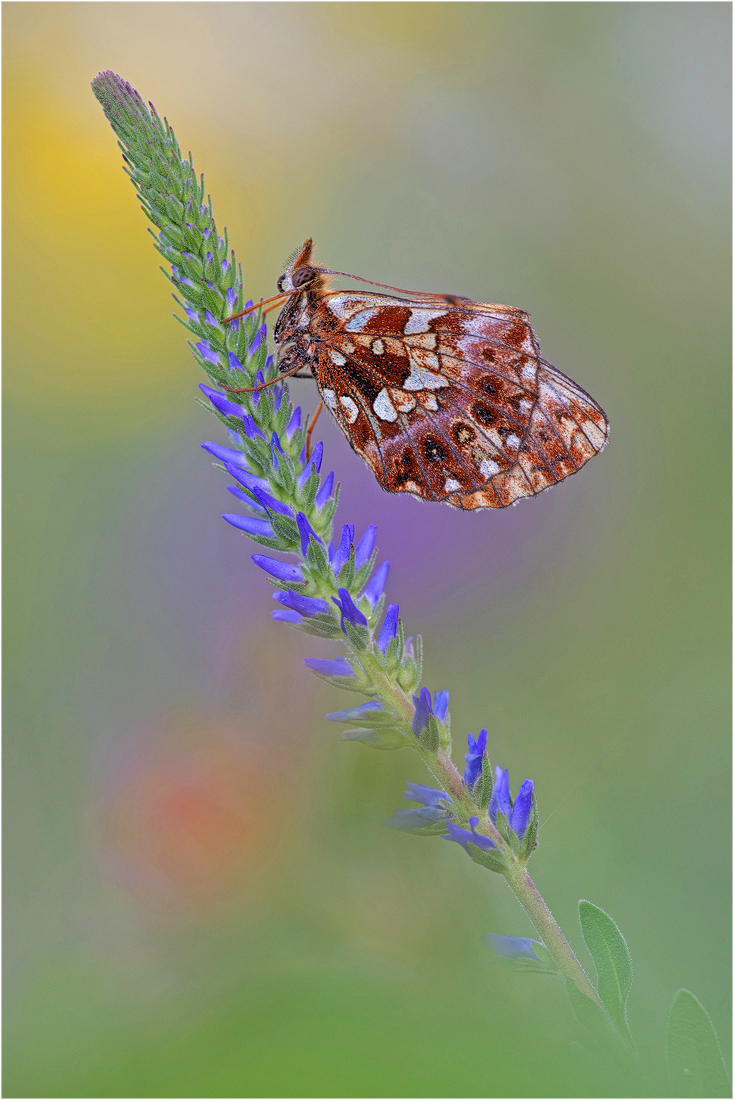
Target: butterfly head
300, 273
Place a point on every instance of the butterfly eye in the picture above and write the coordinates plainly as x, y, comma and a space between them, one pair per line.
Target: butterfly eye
302, 275
280, 282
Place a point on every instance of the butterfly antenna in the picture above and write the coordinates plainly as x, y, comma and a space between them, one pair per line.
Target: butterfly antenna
386, 286
263, 385
257, 305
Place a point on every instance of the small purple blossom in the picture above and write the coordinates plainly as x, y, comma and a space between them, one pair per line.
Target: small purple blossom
286, 616
424, 708
374, 589
500, 795
226, 454
233, 489
340, 556
250, 525
246, 478
206, 353
306, 532
338, 667
250, 427
220, 402
365, 546
474, 758
234, 363
356, 714
304, 605
511, 947
389, 628
429, 796
461, 836
294, 423
522, 808
517, 814
281, 570
271, 503
325, 491
349, 610
257, 339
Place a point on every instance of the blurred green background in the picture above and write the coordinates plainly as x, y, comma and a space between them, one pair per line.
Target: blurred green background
200, 897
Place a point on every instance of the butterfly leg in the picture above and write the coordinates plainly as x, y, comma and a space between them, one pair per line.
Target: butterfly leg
311, 427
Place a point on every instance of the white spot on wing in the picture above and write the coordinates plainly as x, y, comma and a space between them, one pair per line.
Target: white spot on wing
422, 379
451, 485
419, 318
330, 398
336, 358
357, 323
377, 346
513, 440
350, 408
384, 407
487, 467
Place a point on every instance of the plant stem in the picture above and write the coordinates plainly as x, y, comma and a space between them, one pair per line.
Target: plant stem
446, 773
545, 924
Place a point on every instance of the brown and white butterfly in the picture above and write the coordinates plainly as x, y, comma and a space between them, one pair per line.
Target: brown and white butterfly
444, 398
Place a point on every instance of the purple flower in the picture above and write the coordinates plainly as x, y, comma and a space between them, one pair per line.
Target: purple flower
338, 667
231, 301
250, 525
226, 454
234, 363
389, 628
304, 605
522, 808
271, 503
517, 814
429, 796
324, 492
461, 836
246, 478
258, 339
248, 500
206, 353
474, 758
365, 546
356, 714
349, 610
511, 947
220, 402
500, 795
424, 708
286, 616
441, 704
414, 819
308, 468
340, 556
281, 570
251, 428
275, 442
294, 422
374, 589
317, 456
306, 532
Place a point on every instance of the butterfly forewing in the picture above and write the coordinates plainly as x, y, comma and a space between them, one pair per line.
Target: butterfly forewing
446, 399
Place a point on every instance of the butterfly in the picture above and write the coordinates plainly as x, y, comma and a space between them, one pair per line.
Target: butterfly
444, 398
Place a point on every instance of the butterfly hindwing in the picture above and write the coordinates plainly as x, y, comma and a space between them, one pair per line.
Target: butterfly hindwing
444, 398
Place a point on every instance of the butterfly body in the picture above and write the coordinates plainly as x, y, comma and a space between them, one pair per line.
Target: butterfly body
445, 398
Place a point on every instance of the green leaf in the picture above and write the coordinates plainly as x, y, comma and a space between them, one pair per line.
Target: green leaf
587, 1012
695, 1064
608, 948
